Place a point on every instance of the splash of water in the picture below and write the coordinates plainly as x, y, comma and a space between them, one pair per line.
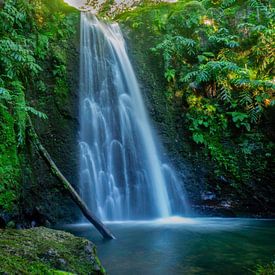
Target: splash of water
122, 176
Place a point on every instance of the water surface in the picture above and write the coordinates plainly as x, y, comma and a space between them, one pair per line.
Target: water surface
184, 246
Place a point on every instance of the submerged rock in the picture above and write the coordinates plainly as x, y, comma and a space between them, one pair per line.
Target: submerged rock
46, 251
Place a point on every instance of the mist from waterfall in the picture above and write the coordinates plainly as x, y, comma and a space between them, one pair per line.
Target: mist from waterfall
122, 174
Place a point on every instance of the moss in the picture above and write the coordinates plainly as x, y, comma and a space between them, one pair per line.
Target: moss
194, 6
61, 50
9, 162
58, 133
46, 251
59, 5
148, 8
106, 6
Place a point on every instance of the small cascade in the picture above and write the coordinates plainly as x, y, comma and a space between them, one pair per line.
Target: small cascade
122, 175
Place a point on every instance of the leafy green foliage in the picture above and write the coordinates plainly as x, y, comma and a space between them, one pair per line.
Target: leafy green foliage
32, 34
218, 56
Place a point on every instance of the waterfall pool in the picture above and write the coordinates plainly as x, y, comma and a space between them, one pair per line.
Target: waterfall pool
184, 245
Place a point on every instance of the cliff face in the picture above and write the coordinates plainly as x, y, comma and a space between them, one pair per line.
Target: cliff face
29, 193
59, 135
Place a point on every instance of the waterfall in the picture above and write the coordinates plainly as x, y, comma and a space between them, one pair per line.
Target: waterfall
122, 176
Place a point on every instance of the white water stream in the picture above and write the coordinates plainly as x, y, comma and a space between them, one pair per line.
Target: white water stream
122, 175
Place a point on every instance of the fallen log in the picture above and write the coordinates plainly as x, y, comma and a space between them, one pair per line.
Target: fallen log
105, 232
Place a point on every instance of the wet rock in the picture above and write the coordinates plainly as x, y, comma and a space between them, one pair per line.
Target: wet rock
11, 225
2, 223
51, 253
46, 251
4, 219
226, 204
33, 224
89, 248
213, 211
62, 262
223, 179
208, 196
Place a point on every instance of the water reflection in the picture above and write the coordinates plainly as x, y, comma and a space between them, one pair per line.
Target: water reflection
185, 246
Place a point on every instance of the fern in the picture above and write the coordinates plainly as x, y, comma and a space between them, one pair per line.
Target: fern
222, 37
35, 112
245, 98
227, 3
203, 76
189, 77
264, 9
255, 112
225, 94
5, 94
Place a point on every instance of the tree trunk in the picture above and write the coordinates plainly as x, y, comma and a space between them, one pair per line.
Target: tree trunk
105, 232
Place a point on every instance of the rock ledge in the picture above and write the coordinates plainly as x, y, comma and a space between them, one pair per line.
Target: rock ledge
46, 251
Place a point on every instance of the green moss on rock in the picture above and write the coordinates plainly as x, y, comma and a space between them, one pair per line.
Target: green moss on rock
43, 77
9, 162
46, 251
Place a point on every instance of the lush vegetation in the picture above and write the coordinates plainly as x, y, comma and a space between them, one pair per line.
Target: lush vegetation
46, 251
33, 36
217, 58
215, 63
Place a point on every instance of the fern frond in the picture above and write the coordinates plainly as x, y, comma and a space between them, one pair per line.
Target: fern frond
190, 76
225, 94
35, 112
245, 98
5, 94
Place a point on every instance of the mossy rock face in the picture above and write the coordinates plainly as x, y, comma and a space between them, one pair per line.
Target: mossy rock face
9, 162
46, 251
28, 191
42, 199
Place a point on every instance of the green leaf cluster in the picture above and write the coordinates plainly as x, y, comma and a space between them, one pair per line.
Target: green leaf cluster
218, 57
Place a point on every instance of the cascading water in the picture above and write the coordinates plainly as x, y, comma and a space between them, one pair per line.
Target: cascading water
122, 176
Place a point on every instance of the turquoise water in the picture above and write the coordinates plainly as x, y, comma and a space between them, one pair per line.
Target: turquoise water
184, 246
